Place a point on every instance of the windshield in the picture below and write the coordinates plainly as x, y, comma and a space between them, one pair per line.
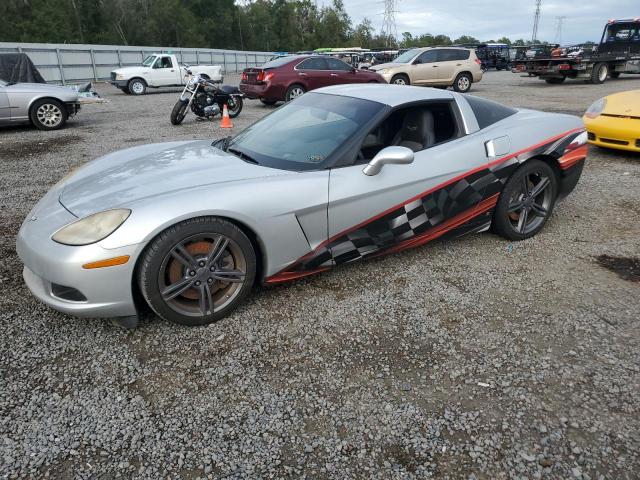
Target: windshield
148, 61
302, 134
280, 61
407, 56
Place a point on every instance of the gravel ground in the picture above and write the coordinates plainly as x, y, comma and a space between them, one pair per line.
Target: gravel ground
473, 359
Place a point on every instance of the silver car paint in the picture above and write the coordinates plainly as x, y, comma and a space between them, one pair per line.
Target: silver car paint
165, 183
21, 96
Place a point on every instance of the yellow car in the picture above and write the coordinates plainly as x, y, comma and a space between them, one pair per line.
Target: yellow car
614, 121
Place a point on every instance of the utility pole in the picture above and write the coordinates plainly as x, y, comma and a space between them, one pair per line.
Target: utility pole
536, 20
389, 27
559, 24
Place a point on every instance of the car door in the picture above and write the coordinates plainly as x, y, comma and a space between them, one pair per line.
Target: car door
341, 72
313, 72
406, 205
423, 70
449, 62
5, 110
164, 71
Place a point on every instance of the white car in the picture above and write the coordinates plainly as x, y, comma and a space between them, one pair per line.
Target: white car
159, 70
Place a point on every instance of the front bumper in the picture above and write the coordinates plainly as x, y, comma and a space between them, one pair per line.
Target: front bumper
614, 132
51, 268
119, 83
73, 108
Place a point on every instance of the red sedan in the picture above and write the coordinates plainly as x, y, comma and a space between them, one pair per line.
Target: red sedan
286, 78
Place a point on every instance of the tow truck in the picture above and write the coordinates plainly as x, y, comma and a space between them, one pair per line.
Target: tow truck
618, 52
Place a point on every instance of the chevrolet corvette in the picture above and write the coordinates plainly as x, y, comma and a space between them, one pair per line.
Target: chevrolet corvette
337, 175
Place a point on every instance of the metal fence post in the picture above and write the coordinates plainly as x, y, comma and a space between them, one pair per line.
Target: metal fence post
119, 58
197, 58
224, 60
235, 60
60, 67
93, 64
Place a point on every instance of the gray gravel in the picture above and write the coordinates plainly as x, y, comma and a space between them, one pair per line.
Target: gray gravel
471, 359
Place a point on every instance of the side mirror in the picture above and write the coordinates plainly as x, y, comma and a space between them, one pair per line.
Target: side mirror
389, 155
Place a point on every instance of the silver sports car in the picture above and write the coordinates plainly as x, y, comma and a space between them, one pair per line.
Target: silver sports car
47, 107
337, 175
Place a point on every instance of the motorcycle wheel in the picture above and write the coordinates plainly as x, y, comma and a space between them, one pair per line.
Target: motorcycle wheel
234, 106
178, 113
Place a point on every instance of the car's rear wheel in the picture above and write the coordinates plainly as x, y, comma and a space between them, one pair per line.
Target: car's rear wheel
197, 271
293, 92
462, 83
269, 103
400, 79
137, 86
526, 202
599, 73
48, 114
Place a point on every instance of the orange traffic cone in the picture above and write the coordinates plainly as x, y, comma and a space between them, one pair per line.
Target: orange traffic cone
226, 121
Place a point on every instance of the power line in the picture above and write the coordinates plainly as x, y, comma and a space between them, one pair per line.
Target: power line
536, 20
559, 24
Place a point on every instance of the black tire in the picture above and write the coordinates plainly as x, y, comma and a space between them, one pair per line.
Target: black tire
269, 103
462, 83
125, 90
137, 86
615, 74
157, 265
234, 112
599, 73
400, 79
555, 80
293, 92
179, 112
516, 224
48, 114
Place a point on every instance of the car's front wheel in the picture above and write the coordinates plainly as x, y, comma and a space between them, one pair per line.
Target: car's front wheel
198, 271
526, 202
48, 114
462, 83
400, 79
137, 86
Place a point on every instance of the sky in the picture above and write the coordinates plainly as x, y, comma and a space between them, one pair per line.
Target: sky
492, 19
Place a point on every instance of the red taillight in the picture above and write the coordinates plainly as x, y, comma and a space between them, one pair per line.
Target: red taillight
260, 76
564, 66
478, 61
244, 77
264, 76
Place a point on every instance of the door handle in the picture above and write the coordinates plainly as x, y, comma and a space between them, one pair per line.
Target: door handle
435, 66
302, 74
458, 64
172, 70
333, 74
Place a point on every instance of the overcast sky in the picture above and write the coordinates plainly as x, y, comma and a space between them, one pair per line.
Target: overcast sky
491, 19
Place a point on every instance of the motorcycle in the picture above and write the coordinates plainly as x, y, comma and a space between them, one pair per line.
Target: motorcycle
205, 99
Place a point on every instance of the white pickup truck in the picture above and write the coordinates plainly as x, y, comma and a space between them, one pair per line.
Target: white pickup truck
159, 70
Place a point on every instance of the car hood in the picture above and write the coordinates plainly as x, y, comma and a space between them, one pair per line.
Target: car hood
387, 65
135, 68
149, 171
37, 88
624, 103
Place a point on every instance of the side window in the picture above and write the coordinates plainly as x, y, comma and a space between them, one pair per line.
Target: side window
313, 63
463, 54
335, 64
163, 62
488, 112
430, 56
417, 128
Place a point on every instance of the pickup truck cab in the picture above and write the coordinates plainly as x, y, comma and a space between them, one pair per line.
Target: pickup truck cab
159, 70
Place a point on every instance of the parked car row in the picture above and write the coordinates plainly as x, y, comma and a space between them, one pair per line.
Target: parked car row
288, 77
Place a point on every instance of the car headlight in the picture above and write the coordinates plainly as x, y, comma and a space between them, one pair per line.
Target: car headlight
119, 76
93, 228
383, 70
596, 108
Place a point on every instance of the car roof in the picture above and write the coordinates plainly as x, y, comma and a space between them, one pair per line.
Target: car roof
392, 95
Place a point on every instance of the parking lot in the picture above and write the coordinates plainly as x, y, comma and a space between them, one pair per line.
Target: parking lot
473, 358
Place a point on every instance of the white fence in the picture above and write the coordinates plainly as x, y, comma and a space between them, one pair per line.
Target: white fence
62, 63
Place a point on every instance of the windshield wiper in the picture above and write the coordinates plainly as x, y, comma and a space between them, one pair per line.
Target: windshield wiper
242, 155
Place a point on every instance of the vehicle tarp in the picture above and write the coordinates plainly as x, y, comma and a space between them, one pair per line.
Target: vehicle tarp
18, 67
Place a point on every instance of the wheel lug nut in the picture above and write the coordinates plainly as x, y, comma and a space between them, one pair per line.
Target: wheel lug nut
212, 269
198, 283
192, 273
201, 264
210, 280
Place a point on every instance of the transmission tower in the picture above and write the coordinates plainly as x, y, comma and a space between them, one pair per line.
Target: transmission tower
536, 19
559, 24
389, 27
